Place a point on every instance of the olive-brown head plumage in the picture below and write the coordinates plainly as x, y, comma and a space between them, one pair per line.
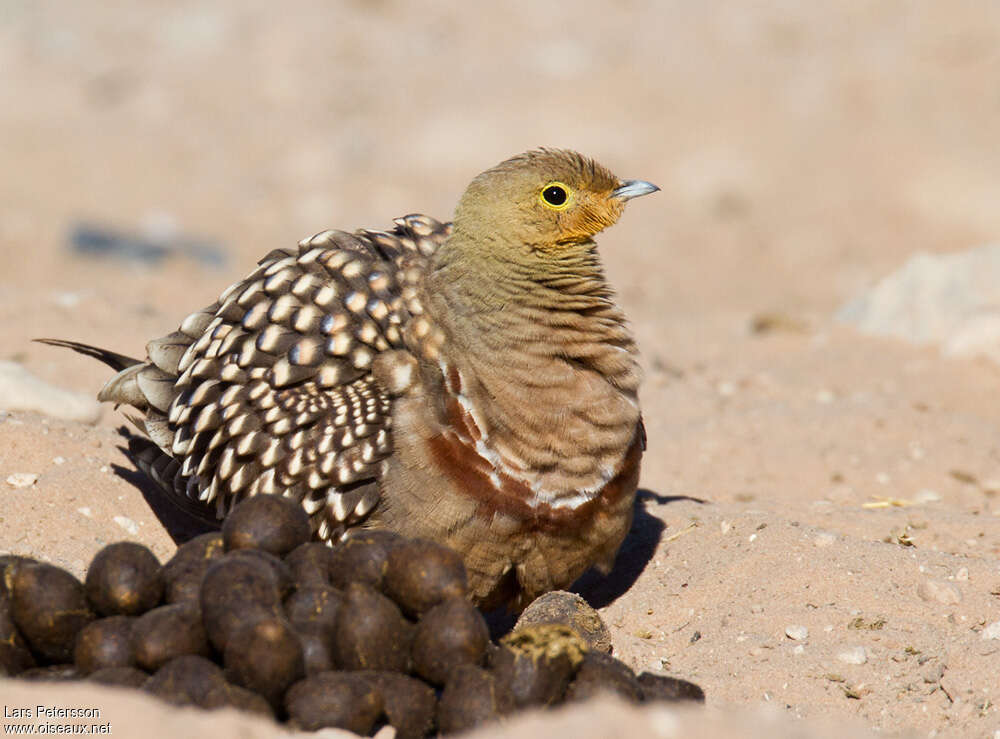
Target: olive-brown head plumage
543, 200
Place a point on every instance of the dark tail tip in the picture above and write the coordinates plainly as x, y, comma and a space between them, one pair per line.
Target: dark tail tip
117, 362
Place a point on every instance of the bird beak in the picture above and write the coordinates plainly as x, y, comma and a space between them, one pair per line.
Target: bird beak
632, 189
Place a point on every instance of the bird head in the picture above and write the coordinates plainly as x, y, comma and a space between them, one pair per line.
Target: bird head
544, 200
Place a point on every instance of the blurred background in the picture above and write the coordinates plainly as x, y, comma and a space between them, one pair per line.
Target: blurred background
152, 151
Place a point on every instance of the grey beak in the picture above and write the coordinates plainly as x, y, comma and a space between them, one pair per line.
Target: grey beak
632, 189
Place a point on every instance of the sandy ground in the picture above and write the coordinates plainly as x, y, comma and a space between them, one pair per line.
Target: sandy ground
818, 532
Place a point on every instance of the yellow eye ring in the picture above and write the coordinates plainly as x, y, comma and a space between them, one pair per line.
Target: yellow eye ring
555, 195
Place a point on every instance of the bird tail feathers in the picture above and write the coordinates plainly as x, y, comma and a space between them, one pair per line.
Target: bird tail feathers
113, 360
124, 387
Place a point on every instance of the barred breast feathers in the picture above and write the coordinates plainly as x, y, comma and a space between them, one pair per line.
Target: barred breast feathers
540, 374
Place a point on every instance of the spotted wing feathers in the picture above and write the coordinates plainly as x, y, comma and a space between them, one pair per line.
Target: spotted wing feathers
269, 390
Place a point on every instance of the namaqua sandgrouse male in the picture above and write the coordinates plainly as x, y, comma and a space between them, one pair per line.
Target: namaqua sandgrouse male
473, 383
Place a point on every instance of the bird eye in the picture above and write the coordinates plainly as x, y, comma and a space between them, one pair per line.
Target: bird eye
555, 195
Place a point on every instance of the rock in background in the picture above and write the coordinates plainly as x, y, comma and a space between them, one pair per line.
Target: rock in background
952, 300
22, 391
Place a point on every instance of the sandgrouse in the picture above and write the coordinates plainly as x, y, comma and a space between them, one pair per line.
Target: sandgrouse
472, 383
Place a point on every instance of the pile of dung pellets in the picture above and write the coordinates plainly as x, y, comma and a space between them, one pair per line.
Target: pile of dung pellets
376, 630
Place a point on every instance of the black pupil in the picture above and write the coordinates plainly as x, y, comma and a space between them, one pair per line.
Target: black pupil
554, 195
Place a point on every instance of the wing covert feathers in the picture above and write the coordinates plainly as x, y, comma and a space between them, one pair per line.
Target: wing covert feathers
269, 390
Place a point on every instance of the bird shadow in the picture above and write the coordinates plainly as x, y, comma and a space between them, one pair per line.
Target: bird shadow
180, 525
635, 554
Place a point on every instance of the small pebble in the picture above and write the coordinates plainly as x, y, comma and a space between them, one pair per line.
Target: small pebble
798, 633
992, 631
66, 299
128, 524
824, 539
939, 592
756, 608
22, 479
934, 674
963, 574
799, 649
853, 656
59, 460
927, 496
825, 397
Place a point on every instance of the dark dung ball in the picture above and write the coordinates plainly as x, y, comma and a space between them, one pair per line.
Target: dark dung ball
273, 523
371, 633
409, 704
317, 649
311, 564
236, 591
247, 700
182, 573
537, 662
420, 574
472, 697
170, 631
362, 557
123, 677
8, 629
189, 681
602, 673
9, 564
665, 688
104, 643
14, 660
341, 700
59, 673
314, 607
124, 579
265, 657
49, 608
450, 634
282, 573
